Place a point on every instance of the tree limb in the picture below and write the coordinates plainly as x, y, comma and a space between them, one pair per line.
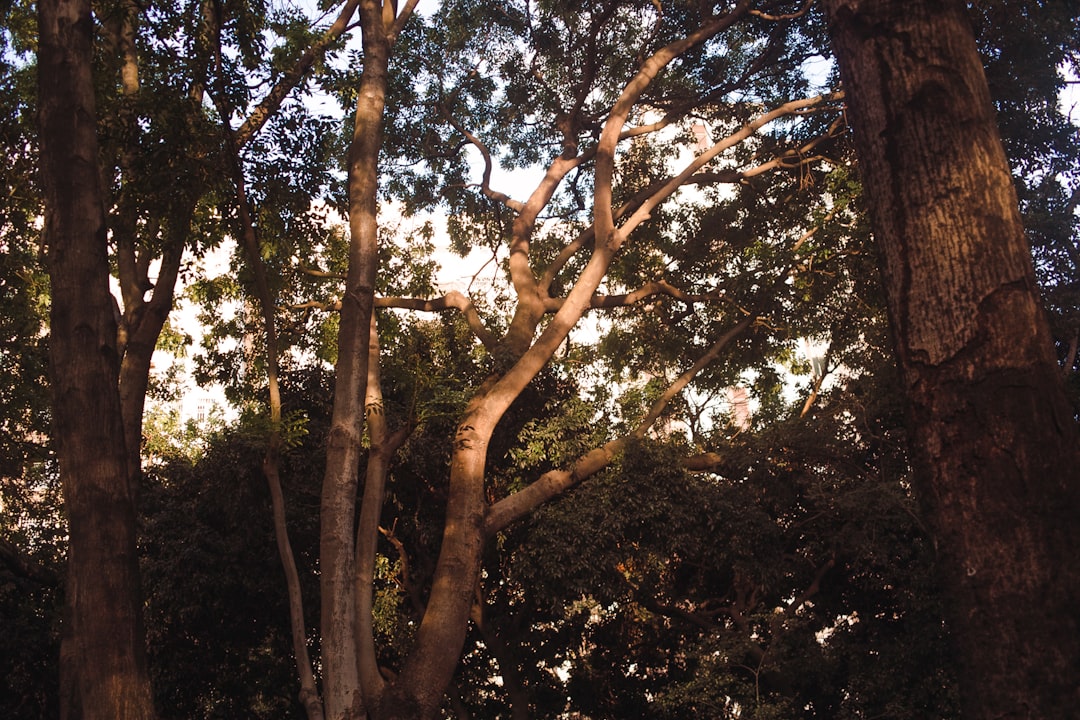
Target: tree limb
25, 566
485, 184
657, 287
452, 299
292, 77
643, 212
516, 506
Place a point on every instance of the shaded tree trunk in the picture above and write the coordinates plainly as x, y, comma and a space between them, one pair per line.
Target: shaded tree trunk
103, 657
994, 439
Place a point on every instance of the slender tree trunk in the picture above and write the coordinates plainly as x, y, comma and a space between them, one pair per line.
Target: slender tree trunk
103, 659
994, 438
271, 465
383, 446
342, 694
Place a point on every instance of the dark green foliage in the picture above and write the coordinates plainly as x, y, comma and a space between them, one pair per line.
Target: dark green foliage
784, 586
217, 619
32, 552
32, 533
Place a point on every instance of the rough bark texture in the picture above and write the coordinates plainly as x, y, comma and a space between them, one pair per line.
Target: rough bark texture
994, 438
103, 664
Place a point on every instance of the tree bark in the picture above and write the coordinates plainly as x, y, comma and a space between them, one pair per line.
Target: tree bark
994, 439
103, 656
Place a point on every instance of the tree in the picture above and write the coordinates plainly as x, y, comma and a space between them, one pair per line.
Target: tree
103, 658
994, 437
583, 120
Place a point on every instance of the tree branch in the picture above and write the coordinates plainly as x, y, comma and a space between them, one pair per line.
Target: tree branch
25, 566
789, 16
485, 184
657, 287
516, 506
644, 211
291, 79
321, 273
620, 111
452, 299
309, 694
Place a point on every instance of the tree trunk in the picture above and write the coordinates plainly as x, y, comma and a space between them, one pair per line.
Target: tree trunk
994, 439
103, 659
342, 694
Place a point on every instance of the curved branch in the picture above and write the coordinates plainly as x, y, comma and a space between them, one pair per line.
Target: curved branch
644, 211
694, 178
613, 127
451, 300
788, 16
485, 183
399, 22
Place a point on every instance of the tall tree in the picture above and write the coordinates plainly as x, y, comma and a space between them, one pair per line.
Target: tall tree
994, 437
103, 657
593, 118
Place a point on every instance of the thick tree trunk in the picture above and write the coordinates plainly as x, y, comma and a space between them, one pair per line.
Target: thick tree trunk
994, 438
103, 664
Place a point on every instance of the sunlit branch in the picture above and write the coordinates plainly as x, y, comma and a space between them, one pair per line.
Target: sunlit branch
313, 272
399, 22
451, 300
677, 613
639, 130
589, 234
384, 445
514, 507
787, 160
683, 380
485, 183
789, 16
620, 111
644, 211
